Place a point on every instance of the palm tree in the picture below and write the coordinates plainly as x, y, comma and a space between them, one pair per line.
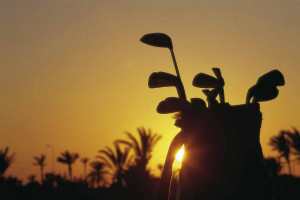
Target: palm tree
281, 144
96, 174
117, 161
84, 161
40, 161
295, 141
5, 160
142, 148
68, 159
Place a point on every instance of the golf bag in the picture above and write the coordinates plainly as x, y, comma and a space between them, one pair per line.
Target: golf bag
223, 156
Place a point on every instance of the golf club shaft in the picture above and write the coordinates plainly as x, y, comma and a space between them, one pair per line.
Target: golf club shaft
181, 90
222, 97
175, 63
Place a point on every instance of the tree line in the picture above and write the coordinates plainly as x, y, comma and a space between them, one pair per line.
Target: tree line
123, 170
286, 143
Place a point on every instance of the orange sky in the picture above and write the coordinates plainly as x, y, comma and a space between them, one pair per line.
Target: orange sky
73, 74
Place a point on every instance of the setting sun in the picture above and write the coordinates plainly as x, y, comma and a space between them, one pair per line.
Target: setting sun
180, 153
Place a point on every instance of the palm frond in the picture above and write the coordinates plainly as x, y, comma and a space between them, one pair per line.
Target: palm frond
135, 144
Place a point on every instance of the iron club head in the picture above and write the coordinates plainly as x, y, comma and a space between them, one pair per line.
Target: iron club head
162, 79
202, 80
171, 105
265, 88
262, 92
273, 77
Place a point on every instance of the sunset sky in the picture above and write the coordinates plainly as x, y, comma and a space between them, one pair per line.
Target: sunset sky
73, 74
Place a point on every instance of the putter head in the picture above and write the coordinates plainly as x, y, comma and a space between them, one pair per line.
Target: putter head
273, 77
157, 40
171, 105
162, 79
202, 80
262, 92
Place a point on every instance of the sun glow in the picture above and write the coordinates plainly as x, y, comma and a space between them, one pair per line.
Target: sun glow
180, 153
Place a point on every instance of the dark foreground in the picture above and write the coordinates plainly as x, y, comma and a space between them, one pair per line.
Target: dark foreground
284, 188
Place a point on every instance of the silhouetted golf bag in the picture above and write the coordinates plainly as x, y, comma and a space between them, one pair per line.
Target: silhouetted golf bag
223, 156
223, 159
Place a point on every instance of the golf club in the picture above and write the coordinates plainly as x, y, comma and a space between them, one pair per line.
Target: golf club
198, 104
262, 92
163, 79
273, 77
202, 80
265, 88
220, 85
171, 105
211, 97
163, 40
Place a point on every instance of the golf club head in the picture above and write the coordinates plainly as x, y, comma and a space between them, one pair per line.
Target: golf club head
162, 79
202, 80
157, 40
198, 103
262, 92
177, 102
163, 108
206, 92
273, 77
171, 105
211, 94
217, 72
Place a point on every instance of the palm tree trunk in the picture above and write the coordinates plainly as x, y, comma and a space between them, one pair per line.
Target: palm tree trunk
42, 178
289, 166
70, 172
84, 171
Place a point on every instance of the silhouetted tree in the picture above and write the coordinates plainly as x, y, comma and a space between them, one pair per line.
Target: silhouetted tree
272, 166
68, 159
96, 174
281, 144
31, 178
31, 181
13, 181
40, 161
84, 161
143, 146
50, 180
295, 141
5, 160
117, 161
139, 182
